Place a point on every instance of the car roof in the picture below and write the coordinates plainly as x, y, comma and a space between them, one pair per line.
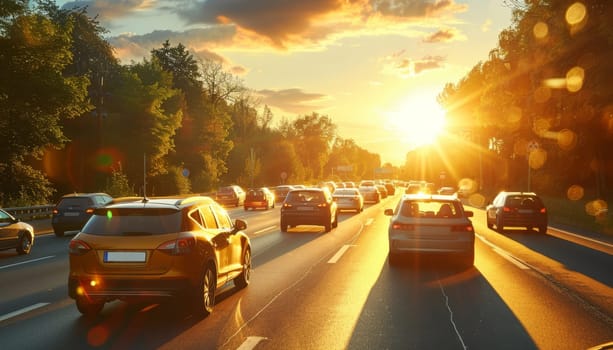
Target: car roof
85, 194
159, 202
435, 197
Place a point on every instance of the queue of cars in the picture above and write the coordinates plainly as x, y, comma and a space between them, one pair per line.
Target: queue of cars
187, 247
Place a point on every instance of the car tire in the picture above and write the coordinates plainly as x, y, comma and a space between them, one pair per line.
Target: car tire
328, 226
393, 259
24, 246
468, 260
59, 233
499, 224
204, 296
283, 226
543, 229
88, 308
335, 222
242, 280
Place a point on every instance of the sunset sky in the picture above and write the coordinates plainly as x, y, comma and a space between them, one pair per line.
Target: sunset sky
374, 67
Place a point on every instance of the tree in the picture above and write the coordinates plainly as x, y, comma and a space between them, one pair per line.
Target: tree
35, 97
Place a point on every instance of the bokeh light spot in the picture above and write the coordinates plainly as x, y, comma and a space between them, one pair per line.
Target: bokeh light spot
477, 200
575, 192
97, 336
537, 158
109, 214
574, 79
542, 94
575, 14
567, 139
596, 207
540, 30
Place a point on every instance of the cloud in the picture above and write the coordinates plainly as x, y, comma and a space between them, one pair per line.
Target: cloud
285, 23
404, 67
416, 8
293, 100
443, 35
108, 10
199, 42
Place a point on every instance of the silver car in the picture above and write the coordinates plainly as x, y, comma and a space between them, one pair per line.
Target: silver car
431, 224
349, 199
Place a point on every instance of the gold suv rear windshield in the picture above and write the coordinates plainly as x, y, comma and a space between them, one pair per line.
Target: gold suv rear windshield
133, 221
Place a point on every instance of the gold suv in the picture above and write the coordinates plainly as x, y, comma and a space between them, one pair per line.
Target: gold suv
141, 249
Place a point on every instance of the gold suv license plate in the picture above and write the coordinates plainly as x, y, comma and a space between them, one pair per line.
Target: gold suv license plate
124, 256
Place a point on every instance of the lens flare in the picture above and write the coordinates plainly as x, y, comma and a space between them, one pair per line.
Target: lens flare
537, 158
575, 192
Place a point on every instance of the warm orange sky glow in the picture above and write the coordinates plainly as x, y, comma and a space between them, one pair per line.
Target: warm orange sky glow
366, 64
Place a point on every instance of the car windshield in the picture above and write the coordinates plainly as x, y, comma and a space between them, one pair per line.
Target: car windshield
430, 209
119, 222
75, 202
305, 196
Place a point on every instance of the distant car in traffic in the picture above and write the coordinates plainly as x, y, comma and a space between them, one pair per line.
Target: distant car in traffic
281, 191
446, 190
260, 197
432, 225
232, 195
370, 193
15, 234
349, 199
517, 209
309, 206
157, 249
73, 210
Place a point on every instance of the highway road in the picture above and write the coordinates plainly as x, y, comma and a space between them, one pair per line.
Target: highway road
316, 290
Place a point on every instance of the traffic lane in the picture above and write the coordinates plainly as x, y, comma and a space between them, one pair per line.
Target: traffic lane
360, 302
355, 300
553, 316
169, 324
578, 269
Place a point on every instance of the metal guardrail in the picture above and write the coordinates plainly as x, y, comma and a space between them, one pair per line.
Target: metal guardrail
31, 213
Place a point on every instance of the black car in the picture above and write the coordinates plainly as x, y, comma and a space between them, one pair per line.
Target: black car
15, 234
309, 206
73, 210
517, 209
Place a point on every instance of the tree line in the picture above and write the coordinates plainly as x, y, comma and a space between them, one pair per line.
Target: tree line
73, 119
538, 113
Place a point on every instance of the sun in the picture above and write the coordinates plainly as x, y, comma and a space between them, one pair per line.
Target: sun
418, 121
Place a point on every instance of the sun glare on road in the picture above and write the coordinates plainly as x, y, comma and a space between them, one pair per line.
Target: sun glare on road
418, 121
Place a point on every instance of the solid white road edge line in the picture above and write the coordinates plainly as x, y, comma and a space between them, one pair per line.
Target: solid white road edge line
251, 343
22, 311
504, 254
339, 254
369, 221
27, 262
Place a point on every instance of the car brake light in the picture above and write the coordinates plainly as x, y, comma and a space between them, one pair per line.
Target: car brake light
462, 228
287, 205
543, 210
322, 205
55, 211
506, 209
89, 211
402, 227
181, 246
78, 247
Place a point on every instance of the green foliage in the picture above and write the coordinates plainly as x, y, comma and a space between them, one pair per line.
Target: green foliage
118, 185
22, 185
171, 183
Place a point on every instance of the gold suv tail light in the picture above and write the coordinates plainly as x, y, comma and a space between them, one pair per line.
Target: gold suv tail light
181, 246
78, 247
